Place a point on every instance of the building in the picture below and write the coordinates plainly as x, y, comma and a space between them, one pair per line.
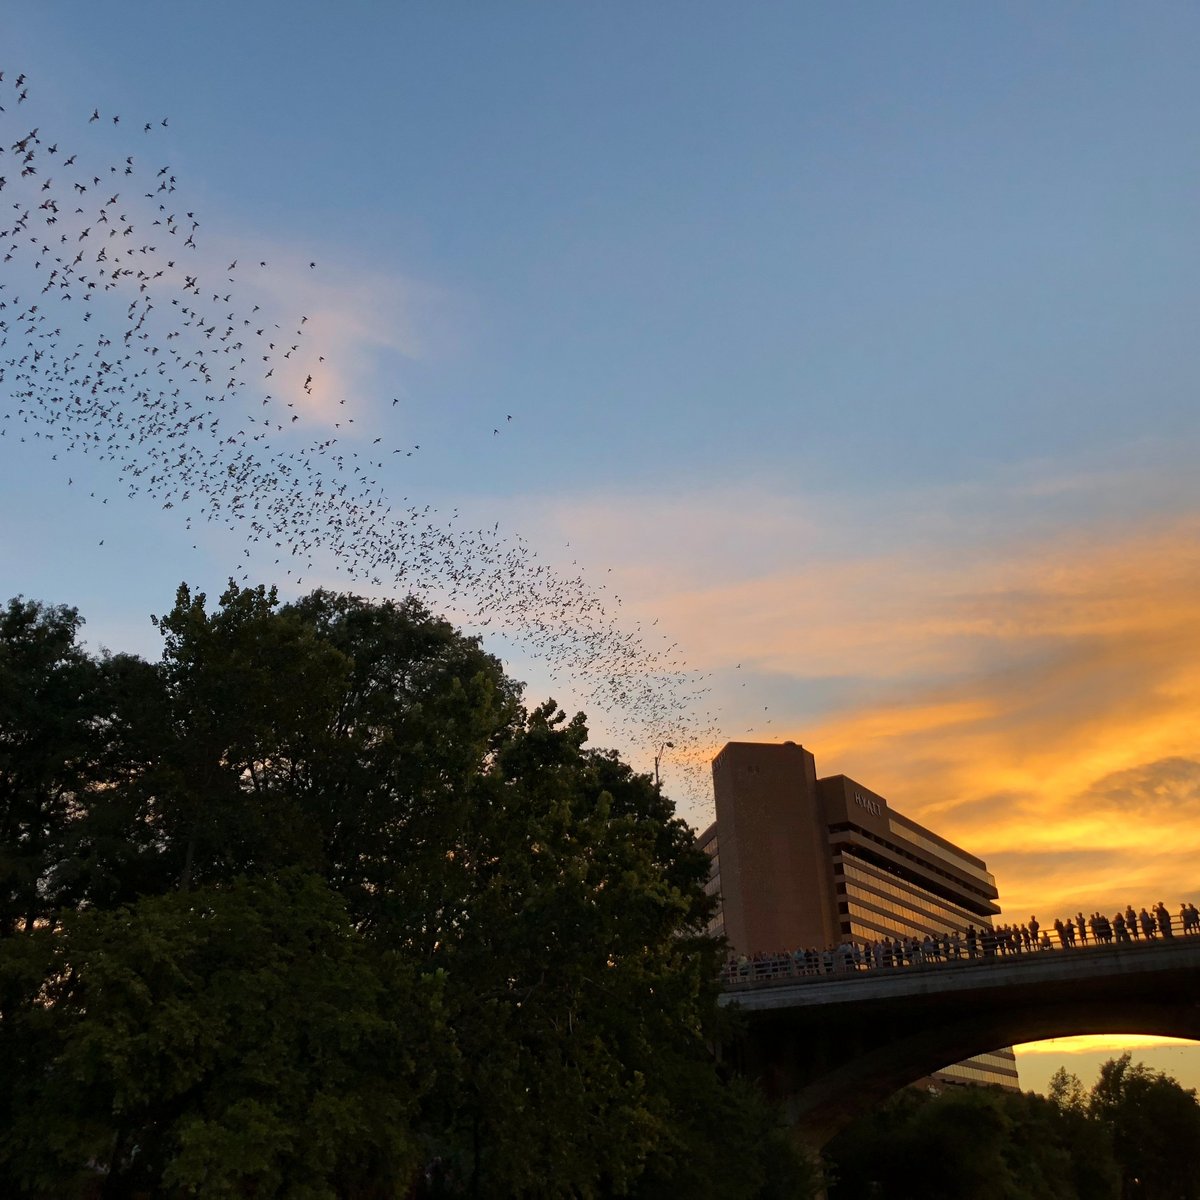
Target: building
799, 861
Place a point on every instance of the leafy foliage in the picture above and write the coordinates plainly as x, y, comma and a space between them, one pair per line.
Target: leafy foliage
47, 698
1155, 1128
1135, 1134
314, 901
226, 1039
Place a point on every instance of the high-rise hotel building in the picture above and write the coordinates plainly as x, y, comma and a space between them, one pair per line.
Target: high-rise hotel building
799, 861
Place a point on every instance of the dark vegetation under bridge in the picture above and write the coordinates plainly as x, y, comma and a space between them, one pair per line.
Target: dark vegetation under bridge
831, 1049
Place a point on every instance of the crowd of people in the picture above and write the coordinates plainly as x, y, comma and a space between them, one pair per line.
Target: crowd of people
983, 943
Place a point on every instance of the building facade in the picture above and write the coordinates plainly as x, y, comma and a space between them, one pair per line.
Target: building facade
799, 861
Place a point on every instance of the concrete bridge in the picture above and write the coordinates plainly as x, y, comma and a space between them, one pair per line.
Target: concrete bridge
831, 1048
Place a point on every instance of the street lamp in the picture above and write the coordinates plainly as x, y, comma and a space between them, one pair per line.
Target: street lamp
658, 758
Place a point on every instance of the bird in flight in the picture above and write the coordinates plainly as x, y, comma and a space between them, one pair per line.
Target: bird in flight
108, 349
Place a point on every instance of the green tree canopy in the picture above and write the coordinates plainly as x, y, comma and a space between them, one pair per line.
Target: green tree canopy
1155, 1129
225, 1042
315, 899
974, 1144
1134, 1135
47, 701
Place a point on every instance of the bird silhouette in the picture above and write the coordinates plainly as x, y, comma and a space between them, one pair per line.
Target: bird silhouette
110, 350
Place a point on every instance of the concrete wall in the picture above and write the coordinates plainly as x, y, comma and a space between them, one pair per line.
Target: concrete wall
776, 874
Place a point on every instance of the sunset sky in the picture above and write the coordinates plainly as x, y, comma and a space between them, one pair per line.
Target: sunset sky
852, 347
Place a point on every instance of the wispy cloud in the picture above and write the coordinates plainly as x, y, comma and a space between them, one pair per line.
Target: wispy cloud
1029, 687
344, 322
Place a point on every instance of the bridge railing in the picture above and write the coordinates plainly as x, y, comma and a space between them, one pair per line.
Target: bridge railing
851, 960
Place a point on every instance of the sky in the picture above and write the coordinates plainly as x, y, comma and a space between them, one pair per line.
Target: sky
844, 356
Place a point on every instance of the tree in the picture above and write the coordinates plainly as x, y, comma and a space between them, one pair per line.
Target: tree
1067, 1091
976, 1143
577, 984
391, 782
114, 850
332, 824
224, 1042
727, 1142
250, 692
332, 733
1155, 1126
47, 702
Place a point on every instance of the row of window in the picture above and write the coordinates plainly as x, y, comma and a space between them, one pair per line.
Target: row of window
860, 902
952, 915
900, 886
965, 1072
922, 863
1002, 1060
716, 924
942, 852
864, 926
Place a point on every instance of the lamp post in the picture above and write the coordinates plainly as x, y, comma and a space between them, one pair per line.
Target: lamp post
658, 758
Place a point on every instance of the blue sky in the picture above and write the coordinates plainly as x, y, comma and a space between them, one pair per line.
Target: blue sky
850, 345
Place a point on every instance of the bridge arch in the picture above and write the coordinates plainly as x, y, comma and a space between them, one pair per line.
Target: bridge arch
831, 1051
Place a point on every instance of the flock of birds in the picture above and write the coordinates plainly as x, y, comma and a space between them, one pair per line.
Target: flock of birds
121, 338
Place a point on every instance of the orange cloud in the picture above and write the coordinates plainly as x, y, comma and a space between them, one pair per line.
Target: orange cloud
1032, 693
1073, 732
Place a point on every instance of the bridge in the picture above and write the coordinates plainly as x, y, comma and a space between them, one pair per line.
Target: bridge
832, 1047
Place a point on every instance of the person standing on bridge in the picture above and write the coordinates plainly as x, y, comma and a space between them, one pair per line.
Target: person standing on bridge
1033, 929
1164, 919
1120, 928
1079, 924
1147, 923
1131, 921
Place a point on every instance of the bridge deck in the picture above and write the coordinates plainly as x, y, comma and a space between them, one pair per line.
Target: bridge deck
1044, 968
